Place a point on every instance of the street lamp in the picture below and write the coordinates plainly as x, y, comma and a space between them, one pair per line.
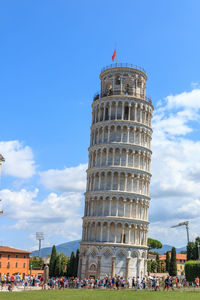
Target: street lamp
40, 238
198, 245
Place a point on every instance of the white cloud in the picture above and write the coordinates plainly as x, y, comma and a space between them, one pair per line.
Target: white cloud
175, 182
184, 100
69, 179
56, 215
19, 161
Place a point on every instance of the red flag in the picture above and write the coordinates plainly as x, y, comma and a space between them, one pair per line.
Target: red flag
114, 54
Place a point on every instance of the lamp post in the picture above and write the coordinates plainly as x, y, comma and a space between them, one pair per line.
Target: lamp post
198, 245
40, 238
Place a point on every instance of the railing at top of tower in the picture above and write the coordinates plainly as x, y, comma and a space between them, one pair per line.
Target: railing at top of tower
123, 65
99, 95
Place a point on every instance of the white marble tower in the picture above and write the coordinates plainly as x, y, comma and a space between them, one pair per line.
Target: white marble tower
115, 222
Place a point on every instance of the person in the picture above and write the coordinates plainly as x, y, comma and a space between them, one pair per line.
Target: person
133, 282
197, 281
157, 284
9, 287
138, 284
144, 283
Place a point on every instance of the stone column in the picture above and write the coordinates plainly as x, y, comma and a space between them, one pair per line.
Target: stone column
110, 107
104, 112
135, 112
122, 239
127, 268
117, 208
133, 158
130, 208
113, 157
115, 236
139, 153
101, 154
127, 152
118, 184
128, 135
129, 112
110, 207
138, 267
124, 207
101, 232
107, 153
136, 209
103, 212
113, 266
145, 114
129, 234
98, 266
125, 185
108, 233
108, 134
87, 266
145, 266
123, 111
111, 184
141, 107
139, 141
116, 108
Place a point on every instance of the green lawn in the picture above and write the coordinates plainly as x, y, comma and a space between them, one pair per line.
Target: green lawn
100, 294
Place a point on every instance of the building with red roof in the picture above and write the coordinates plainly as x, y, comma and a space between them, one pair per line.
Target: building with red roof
13, 261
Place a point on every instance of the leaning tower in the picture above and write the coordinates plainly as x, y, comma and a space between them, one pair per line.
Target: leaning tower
115, 222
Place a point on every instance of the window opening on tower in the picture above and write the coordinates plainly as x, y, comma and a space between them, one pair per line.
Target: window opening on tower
127, 90
106, 114
118, 80
126, 113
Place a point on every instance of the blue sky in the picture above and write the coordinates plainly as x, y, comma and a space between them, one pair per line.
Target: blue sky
51, 55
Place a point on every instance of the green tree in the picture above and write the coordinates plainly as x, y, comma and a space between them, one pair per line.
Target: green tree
36, 262
192, 270
149, 266
154, 244
58, 266
190, 251
196, 250
173, 266
158, 266
153, 266
52, 263
167, 261
71, 266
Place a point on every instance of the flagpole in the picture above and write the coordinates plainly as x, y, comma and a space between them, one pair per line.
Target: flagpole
116, 52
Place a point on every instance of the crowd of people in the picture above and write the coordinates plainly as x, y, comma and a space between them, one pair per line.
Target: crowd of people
151, 283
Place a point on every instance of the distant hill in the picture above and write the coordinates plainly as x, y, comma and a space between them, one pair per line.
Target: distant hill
166, 248
65, 248
68, 247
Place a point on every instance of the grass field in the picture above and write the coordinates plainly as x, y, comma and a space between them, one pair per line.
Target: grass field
100, 294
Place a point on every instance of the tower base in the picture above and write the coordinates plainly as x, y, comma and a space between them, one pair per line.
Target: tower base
100, 261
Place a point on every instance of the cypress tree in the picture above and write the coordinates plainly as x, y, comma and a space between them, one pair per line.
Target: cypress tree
153, 266
71, 266
173, 266
57, 266
167, 261
158, 263
52, 263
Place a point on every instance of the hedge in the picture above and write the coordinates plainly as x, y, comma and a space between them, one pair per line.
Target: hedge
192, 270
